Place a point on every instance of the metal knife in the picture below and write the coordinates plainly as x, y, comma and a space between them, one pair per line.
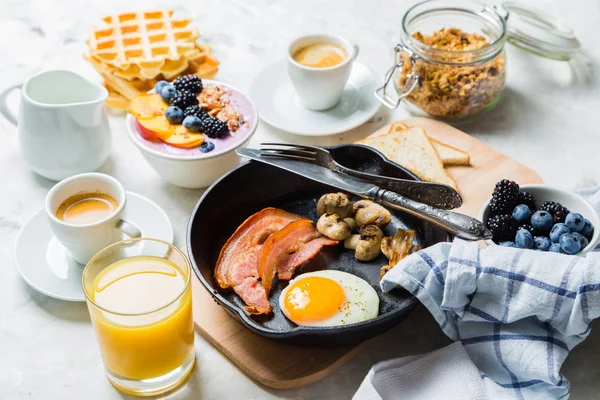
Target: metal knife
461, 225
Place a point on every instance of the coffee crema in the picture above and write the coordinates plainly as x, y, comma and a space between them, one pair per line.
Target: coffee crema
320, 55
86, 208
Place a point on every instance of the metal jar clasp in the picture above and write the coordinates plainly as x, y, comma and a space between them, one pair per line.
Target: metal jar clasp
412, 79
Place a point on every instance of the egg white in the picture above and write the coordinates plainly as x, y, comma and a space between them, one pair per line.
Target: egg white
361, 301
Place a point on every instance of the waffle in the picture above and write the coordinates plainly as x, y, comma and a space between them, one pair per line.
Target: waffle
135, 50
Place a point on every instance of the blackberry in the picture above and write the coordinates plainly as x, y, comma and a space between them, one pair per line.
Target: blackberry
549, 206
503, 228
529, 228
557, 210
527, 199
214, 128
191, 83
184, 99
195, 111
561, 215
505, 197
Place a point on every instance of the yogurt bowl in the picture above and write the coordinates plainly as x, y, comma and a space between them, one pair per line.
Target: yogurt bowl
190, 168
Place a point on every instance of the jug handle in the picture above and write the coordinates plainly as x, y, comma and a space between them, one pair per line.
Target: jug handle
4, 109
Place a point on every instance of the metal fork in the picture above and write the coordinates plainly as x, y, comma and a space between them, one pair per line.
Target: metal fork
434, 194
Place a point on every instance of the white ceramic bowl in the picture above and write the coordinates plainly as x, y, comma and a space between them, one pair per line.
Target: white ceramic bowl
571, 200
194, 171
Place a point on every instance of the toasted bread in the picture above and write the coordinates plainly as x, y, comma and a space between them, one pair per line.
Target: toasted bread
448, 154
384, 130
398, 126
412, 149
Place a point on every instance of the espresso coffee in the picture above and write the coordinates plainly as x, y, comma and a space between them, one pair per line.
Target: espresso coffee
86, 208
320, 55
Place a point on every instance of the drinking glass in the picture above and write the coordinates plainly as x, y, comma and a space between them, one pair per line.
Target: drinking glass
145, 351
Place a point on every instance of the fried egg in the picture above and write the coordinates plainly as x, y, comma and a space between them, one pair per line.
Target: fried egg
328, 298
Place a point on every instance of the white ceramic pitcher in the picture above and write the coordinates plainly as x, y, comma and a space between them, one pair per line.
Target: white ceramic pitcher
63, 128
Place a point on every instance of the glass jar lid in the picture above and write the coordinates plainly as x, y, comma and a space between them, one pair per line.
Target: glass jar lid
538, 32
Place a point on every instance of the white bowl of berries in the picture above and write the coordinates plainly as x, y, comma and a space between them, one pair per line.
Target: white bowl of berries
540, 217
188, 129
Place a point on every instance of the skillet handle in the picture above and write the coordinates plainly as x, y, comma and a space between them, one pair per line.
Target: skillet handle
460, 225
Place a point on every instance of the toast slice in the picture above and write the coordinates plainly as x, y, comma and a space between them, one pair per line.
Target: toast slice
396, 126
389, 128
449, 155
412, 149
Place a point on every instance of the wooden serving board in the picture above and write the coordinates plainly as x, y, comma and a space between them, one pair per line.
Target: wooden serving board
283, 366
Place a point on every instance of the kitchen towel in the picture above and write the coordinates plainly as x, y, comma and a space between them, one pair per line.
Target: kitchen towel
517, 312
448, 370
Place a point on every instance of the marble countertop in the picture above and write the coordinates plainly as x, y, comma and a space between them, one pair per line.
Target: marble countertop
547, 119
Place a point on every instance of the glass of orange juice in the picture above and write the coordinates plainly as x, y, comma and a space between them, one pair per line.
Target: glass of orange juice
139, 296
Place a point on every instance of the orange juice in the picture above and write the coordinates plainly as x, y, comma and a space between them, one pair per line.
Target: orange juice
143, 318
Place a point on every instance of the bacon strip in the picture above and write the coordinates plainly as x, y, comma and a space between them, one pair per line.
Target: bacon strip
288, 249
237, 266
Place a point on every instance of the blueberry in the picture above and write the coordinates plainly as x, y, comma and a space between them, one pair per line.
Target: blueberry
555, 248
521, 213
542, 221
192, 123
168, 92
583, 242
524, 239
542, 243
575, 222
174, 115
207, 147
159, 85
557, 231
508, 244
569, 244
588, 230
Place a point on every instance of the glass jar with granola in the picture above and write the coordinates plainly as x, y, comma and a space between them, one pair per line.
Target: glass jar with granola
451, 63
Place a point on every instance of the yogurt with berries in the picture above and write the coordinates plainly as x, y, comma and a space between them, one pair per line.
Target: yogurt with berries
217, 101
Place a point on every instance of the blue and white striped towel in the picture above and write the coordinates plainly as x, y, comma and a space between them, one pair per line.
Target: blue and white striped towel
516, 312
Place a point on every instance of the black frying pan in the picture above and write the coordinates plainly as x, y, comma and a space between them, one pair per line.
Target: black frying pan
253, 186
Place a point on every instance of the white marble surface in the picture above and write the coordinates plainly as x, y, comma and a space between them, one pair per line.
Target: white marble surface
548, 120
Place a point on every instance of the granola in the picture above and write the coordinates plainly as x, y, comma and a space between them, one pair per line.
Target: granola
213, 100
454, 90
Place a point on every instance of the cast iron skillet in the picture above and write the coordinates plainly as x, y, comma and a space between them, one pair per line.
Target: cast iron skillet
253, 186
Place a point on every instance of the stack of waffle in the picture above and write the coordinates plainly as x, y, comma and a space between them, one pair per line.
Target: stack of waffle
135, 50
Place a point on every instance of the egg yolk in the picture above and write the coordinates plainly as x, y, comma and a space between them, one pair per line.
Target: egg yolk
313, 299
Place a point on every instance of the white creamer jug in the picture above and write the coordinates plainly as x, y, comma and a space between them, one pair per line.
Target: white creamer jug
62, 125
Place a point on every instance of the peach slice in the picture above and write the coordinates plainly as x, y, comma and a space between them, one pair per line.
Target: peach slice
184, 139
146, 134
147, 106
157, 127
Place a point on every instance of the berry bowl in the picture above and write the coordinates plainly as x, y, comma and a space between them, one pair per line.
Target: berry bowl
187, 161
561, 229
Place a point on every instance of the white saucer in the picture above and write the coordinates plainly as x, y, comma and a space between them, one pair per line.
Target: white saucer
47, 266
278, 105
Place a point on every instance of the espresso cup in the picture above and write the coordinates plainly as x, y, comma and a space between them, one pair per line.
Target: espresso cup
83, 241
320, 88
